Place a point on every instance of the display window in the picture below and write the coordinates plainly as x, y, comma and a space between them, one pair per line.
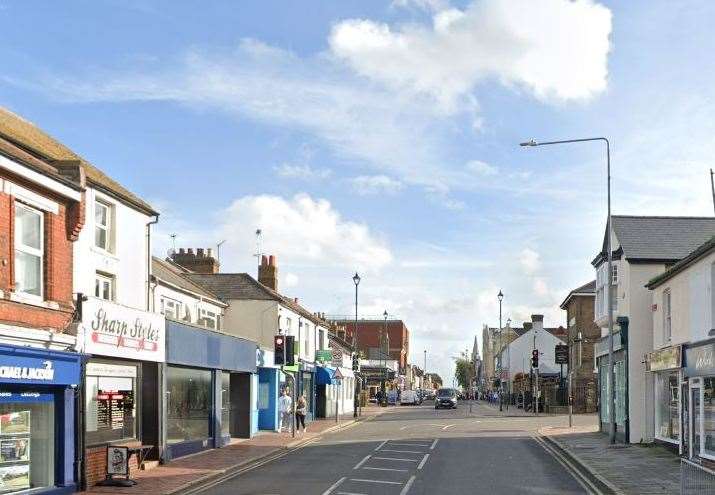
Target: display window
110, 402
27, 441
189, 404
667, 424
225, 404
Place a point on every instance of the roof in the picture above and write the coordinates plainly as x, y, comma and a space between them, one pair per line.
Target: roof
702, 250
177, 276
588, 289
32, 139
242, 286
662, 239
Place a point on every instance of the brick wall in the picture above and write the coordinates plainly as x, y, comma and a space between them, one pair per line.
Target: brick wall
581, 309
96, 462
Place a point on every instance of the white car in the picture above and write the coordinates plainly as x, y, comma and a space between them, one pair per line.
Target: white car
409, 397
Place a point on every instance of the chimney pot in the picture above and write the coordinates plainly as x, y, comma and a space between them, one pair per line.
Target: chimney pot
200, 252
264, 260
272, 260
268, 272
197, 264
295, 299
210, 252
190, 251
182, 251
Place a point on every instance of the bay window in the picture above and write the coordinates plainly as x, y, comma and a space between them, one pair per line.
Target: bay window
29, 250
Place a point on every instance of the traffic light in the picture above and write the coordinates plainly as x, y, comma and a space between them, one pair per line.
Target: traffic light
356, 362
279, 350
290, 350
535, 358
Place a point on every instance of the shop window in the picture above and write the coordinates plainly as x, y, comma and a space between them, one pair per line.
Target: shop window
667, 321
27, 442
709, 417
104, 286
188, 407
102, 225
667, 426
110, 402
226, 404
29, 250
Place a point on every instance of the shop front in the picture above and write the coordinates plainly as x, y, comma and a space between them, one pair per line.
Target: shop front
698, 403
621, 386
665, 364
209, 383
269, 387
121, 395
37, 419
306, 388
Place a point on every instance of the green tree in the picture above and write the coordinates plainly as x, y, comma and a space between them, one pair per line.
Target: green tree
464, 371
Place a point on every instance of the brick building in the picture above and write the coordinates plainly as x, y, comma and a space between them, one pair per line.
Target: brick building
581, 338
368, 334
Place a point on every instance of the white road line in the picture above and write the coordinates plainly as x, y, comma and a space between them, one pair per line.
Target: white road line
407, 486
447, 426
386, 469
410, 444
422, 463
360, 480
364, 460
349, 493
395, 459
334, 486
434, 443
403, 451
381, 445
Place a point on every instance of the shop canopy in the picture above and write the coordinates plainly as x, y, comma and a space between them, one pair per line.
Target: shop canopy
324, 375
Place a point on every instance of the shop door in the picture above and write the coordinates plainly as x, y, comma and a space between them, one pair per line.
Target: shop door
695, 417
685, 419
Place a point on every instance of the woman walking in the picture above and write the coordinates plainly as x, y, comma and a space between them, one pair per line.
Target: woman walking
300, 411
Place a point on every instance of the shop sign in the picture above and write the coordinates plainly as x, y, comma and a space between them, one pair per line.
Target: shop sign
700, 361
26, 365
324, 356
117, 460
663, 359
114, 330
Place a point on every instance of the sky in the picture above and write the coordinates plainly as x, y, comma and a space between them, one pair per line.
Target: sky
382, 137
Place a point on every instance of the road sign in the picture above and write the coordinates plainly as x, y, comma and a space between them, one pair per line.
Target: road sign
337, 357
562, 354
338, 375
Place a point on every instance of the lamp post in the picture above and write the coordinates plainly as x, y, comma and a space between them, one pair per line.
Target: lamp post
611, 401
508, 365
356, 396
500, 296
383, 356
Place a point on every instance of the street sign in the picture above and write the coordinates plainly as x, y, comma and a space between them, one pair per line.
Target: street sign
338, 375
324, 355
562, 354
337, 357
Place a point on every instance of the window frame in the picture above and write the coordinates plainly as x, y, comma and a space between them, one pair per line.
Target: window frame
29, 250
108, 228
101, 277
177, 307
614, 274
203, 316
667, 315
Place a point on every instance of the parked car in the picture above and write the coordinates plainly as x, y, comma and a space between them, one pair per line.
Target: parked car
409, 397
446, 397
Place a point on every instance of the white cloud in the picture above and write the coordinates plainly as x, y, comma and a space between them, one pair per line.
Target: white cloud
429, 5
482, 168
375, 184
529, 261
554, 48
540, 287
290, 280
305, 172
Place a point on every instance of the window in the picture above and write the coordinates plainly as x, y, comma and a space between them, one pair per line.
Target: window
667, 426
321, 336
708, 441
667, 329
209, 319
614, 274
102, 225
110, 402
29, 250
171, 309
189, 404
104, 286
288, 324
307, 341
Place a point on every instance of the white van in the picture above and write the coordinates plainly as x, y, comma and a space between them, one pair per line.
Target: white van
409, 397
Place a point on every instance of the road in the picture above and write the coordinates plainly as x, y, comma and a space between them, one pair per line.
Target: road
417, 450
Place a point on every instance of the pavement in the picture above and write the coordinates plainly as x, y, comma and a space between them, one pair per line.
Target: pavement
187, 472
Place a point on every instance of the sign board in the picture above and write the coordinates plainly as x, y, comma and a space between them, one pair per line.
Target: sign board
663, 359
561, 354
37, 366
111, 329
700, 360
338, 375
324, 356
118, 460
337, 358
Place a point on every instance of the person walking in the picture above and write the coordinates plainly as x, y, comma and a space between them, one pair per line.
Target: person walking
285, 404
301, 410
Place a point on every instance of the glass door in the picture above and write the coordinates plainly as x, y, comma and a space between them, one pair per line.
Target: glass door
695, 416
685, 419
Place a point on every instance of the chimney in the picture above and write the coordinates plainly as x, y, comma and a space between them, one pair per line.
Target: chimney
202, 261
538, 322
528, 325
268, 272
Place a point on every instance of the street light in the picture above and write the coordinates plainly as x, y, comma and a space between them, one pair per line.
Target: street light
383, 341
610, 380
356, 395
500, 296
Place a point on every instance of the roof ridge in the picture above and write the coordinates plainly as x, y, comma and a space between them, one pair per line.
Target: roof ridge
665, 216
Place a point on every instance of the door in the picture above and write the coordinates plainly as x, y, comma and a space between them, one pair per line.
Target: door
685, 419
695, 425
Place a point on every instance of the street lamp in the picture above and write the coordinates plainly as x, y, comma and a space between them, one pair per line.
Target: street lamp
383, 356
500, 296
356, 395
610, 380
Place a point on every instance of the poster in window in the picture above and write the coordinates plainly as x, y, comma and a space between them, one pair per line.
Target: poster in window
15, 477
118, 460
15, 423
14, 449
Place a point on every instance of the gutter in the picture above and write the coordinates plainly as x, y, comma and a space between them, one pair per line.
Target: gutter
148, 260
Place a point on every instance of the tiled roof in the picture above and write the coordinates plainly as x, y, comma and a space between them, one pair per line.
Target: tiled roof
244, 287
660, 238
584, 290
29, 137
702, 250
177, 276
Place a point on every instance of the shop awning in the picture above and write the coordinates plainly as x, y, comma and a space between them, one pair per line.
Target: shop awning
324, 375
346, 372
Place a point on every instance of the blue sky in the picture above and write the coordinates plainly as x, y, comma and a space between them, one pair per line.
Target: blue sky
382, 136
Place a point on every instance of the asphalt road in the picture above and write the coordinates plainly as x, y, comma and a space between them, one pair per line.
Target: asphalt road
417, 450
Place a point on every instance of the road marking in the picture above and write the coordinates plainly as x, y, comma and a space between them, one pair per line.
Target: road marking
424, 460
395, 459
380, 446
360, 480
334, 486
434, 443
402, 451
364, 460
410, 444
448, 426
386, 469
412, 426
406, 488
349, 493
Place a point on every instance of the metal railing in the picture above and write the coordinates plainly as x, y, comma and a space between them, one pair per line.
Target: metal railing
696, 479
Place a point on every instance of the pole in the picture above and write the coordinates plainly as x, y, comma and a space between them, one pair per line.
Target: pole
570, 400
356, 394
337, 394
611, 373
712, 186
501, 363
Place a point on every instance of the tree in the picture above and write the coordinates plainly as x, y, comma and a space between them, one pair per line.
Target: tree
464, 371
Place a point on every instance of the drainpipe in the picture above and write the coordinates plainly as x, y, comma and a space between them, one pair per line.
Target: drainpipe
148, 260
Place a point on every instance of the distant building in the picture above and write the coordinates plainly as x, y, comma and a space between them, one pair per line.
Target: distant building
367, 340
